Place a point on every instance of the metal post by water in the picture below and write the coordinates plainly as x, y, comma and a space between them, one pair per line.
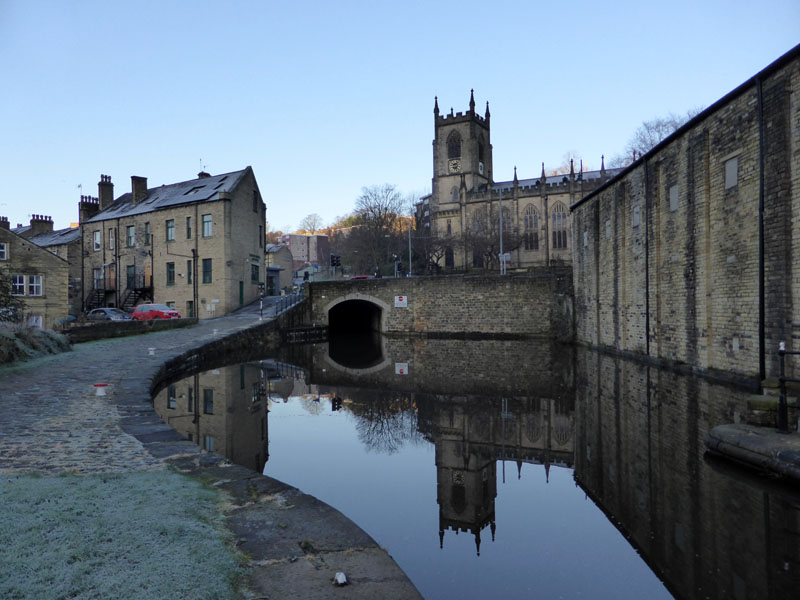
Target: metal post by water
783, 411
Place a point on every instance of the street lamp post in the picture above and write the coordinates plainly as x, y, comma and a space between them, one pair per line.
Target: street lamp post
502, 256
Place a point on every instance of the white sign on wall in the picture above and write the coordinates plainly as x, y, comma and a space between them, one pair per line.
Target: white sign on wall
401, 368
401, 301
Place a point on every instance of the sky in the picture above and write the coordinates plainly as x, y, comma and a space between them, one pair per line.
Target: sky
325, 98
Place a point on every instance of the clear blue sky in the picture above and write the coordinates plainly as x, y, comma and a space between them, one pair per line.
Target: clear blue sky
322, 98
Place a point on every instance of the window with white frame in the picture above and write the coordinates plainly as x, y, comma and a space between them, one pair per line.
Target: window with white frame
98, 240
170, 230
207, 226
131, 231
208, 443
110, 239
35, 321
34, 285
3, 251
18, 285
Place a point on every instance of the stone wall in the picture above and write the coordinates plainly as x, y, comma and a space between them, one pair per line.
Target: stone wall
668, 258
111, 329
535, 305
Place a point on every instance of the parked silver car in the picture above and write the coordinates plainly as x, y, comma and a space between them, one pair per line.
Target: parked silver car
108, 314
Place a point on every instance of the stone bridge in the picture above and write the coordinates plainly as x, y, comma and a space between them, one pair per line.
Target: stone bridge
537, 304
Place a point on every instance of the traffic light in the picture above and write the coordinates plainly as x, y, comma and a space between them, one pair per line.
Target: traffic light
338, 260
333, 260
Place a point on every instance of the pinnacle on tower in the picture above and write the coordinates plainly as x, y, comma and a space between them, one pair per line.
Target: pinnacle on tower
571, 169
472, 101
602, 164
487, 110
436, 105
544, 177
515, 174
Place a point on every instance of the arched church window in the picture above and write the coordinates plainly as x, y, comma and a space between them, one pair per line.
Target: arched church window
454, 145
506, 220
454, 194
449, 227
531, 228
449, 258
559, 218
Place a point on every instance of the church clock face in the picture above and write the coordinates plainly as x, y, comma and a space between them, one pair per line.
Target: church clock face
454, 165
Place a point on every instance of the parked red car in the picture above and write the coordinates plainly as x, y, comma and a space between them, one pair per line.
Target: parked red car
145, 312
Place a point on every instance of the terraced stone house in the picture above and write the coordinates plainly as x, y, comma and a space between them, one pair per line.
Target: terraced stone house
38, 277
197, 245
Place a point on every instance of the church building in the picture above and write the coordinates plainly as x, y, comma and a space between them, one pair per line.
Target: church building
462, 214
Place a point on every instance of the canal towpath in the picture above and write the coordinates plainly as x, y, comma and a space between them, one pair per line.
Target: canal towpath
52, 422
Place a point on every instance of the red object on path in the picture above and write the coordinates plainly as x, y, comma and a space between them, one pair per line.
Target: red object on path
100, 389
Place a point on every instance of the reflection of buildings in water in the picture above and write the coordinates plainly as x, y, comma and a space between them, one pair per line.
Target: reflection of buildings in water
704, 530
471, 434
223, 410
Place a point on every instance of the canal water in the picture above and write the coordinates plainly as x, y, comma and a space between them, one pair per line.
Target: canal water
509, 469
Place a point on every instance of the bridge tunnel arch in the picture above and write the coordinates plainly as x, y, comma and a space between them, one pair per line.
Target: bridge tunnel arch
355, 316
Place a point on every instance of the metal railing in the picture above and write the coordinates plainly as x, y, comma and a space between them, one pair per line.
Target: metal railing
287, 302
783, 407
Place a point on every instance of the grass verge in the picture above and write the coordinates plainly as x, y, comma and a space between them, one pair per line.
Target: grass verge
143, 535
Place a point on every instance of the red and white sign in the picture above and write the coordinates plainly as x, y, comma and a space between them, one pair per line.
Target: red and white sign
401, 301
401, 368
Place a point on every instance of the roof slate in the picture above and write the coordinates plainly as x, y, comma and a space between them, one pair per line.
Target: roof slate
56, 238
187, 192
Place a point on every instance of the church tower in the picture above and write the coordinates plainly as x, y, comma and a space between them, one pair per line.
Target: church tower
462, 155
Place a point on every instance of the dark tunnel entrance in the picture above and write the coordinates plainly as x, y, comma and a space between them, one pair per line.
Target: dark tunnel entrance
354, 316
354, 338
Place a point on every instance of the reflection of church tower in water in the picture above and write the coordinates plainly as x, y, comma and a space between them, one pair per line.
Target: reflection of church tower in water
471, 434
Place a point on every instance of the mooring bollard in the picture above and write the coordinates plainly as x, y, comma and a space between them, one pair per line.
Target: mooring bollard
100, 389
151, 351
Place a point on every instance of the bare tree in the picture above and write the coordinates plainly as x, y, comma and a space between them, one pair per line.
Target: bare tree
378, 211
482, 237
565, 166
649, 134
311, 223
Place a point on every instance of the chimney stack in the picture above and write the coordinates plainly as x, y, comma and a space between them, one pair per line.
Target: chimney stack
203, 175
138, 189
105, 192
39, 224
87, 208
4, 224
